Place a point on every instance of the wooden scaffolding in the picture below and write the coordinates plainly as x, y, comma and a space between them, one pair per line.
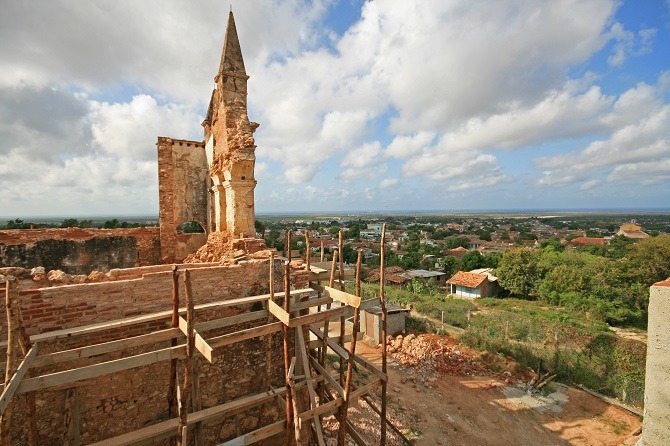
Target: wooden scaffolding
310, 391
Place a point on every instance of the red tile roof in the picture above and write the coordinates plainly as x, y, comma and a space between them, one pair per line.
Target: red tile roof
466, 279
588, 241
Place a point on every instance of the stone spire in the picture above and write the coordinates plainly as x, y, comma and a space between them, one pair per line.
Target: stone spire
230, 143
231, 58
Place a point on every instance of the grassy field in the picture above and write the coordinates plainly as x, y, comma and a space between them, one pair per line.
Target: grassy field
576, 345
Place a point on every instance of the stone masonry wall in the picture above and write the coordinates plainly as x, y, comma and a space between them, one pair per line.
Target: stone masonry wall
182, 191
80, 251
117, 403
656, 428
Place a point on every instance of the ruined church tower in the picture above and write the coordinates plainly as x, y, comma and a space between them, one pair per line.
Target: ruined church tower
229, 143
211, 182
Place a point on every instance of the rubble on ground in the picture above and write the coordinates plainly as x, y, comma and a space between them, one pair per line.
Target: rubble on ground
426, 355
225, 250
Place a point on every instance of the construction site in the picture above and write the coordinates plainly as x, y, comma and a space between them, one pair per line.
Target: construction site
224, 343
157, 336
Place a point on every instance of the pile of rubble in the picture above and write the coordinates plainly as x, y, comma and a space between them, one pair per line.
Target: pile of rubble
428, 354
221, 248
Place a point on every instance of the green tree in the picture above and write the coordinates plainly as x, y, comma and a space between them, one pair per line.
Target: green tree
69, 223
112, 224
260, 227
519, 272
450, 265
472, 260
552, 243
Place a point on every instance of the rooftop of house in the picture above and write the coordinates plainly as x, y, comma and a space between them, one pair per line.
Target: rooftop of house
588, 241
467, 279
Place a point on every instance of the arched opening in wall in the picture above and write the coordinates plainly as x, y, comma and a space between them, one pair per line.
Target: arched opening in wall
190, 227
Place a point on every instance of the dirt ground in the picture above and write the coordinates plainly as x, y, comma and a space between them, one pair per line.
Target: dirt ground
474, 410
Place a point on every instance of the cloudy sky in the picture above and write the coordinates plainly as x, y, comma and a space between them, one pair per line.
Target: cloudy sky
376, 105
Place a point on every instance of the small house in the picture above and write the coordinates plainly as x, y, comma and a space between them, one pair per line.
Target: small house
473, 284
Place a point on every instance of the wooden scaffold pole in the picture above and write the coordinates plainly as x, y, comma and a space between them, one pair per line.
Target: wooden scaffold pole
287, 354
13, 359
308, 253
172, 391
340, 248
382, 302
268, 338
185, 392
341, 434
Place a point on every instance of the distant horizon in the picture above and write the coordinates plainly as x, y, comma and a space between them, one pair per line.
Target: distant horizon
631, 210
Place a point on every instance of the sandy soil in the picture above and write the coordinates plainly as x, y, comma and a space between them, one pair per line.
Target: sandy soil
473, 410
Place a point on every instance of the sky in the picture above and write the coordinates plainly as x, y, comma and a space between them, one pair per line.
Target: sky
379, 105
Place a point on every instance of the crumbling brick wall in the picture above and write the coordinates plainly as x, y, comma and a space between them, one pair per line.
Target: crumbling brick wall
118, 403
80, 251
183, 184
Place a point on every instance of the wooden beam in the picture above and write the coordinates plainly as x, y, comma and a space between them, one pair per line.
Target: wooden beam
342, 296
105, 347
345, 355
120, 323
104, 368
330, 407
311, 303
203, 347
15, 381
323, 372
243, 335
231, 320
310, 388
257, 435
316, 317
279, 312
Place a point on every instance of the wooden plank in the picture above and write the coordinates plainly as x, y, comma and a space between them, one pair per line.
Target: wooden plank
315, 343
231, 320
344, 297
168, 428
279, 312
311, 303
15, 381
106, 347
243, 335
345, 354
330, 407
104, 368
316, 317
203, 347
183, 325
120, 323
310, 388
323, 372
257, 435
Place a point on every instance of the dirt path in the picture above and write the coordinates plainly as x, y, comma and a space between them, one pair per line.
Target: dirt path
473, 410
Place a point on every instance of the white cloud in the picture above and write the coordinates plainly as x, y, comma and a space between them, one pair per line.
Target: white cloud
404, 146
416, 59
388, 182
170, 47
628, 44
130, 129
633, 150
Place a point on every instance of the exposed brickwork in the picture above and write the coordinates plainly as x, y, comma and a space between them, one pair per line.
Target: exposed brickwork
182, 195
80, 251
124, 401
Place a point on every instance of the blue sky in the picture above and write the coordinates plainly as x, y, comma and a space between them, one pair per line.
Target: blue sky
377, 105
